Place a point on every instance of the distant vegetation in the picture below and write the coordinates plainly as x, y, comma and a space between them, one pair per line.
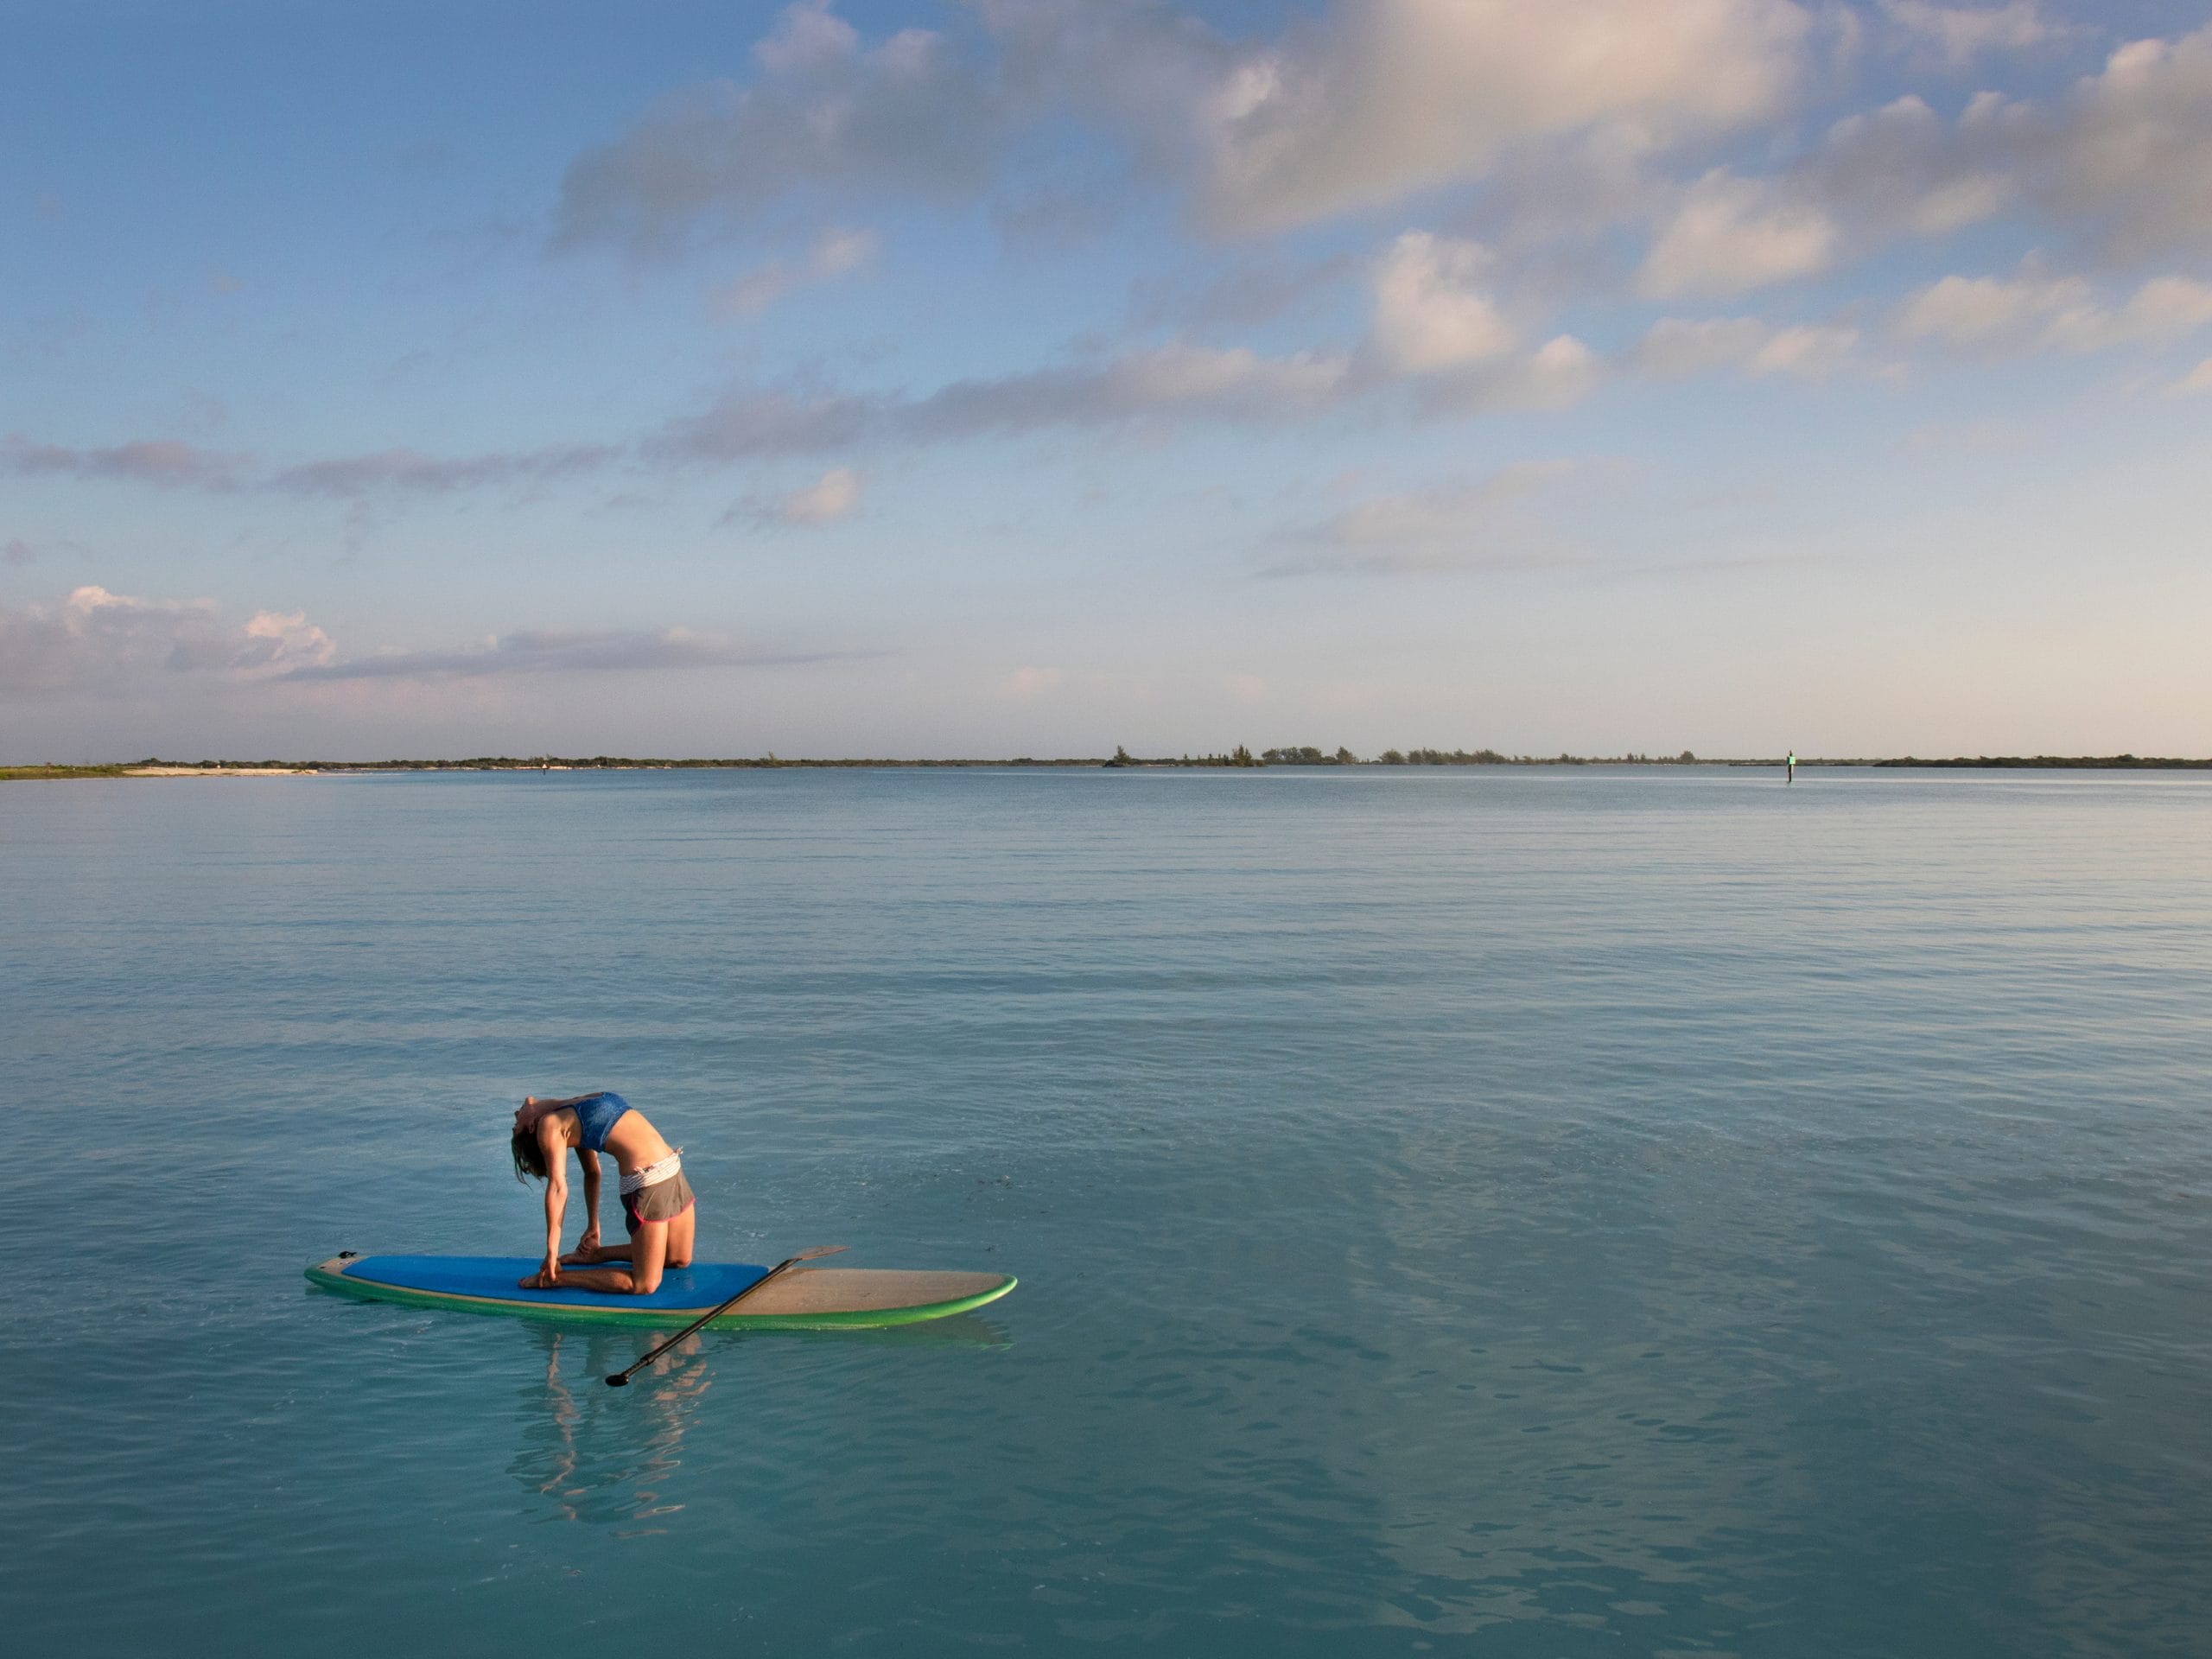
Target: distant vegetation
1284, 756
506, 763
1240, 756
2061, 762
1476, 758
1310, 755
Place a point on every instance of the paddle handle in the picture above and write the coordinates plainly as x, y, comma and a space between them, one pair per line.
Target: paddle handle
621, 1378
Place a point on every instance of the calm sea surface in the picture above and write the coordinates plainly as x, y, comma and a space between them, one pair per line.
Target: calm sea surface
1549, 1212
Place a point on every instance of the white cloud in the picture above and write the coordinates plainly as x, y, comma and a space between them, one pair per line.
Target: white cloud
758, 289
174, 464
1562, 372
1428, 312
283, 641
1810, 350
1186, 375
1180, 379
100, 642
836, 253
824, 112
1900, 169
1972, 311
1372, 102
1172, 382
748, 423
807, 37
406, 469
1678, 345
2198, 378
1683, 346
2120, 163
1177, 381
145, 460
1961, 34
2032, 311
1733, 234
1140, 68
1388, 97
833, 496
1570, 109
2134, 153
614, 650
1558, 374
2164, 309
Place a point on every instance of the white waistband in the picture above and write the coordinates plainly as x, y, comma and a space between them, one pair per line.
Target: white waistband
637, 1181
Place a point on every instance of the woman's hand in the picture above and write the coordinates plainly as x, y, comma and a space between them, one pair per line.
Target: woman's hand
586, 1250
546, 1278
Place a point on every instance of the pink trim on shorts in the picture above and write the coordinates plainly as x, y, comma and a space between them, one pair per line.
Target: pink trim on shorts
657, 1221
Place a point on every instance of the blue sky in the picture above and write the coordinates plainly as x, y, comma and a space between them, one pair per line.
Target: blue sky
1032, 376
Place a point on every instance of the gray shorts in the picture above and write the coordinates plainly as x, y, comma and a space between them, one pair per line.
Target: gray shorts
662, 1201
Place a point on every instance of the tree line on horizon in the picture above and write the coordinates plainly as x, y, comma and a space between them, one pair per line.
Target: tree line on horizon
1241, 756
1309, 755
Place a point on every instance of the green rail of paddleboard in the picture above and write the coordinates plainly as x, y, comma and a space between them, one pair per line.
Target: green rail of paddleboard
646, 1317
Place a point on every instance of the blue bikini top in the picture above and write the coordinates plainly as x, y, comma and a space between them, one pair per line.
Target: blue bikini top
597, 1114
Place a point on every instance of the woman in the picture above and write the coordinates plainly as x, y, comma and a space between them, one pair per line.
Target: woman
658, 1203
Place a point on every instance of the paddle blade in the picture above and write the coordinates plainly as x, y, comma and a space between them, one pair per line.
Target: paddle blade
620, 1380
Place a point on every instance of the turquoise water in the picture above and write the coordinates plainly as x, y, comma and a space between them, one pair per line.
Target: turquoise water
1517, 1212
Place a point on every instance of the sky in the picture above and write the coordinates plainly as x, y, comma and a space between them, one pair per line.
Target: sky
1006, 378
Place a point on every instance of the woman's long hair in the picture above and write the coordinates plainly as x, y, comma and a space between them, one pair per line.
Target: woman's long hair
530, 1157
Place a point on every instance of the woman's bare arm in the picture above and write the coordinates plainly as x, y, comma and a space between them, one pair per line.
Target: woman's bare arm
589, 1159
554, 1147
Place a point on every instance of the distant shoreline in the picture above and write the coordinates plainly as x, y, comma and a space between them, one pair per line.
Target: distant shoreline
1237, 758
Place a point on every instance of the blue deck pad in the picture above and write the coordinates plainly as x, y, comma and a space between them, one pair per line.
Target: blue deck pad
701, 1285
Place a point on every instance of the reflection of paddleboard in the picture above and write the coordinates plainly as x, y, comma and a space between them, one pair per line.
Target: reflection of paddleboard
802, 1298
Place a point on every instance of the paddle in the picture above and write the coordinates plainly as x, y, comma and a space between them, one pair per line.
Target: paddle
621, 1378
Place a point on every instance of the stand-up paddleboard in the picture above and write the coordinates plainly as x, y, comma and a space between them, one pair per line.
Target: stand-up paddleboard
802, 1298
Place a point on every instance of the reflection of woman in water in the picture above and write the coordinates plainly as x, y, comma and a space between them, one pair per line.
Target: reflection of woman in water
562, 1479
601, 1463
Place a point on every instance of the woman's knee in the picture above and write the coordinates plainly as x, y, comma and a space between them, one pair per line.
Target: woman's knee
648, 1256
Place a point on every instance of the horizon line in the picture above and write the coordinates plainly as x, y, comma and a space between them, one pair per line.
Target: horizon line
1239, 758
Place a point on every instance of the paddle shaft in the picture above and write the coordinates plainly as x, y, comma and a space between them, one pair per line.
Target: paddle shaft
621, 1378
